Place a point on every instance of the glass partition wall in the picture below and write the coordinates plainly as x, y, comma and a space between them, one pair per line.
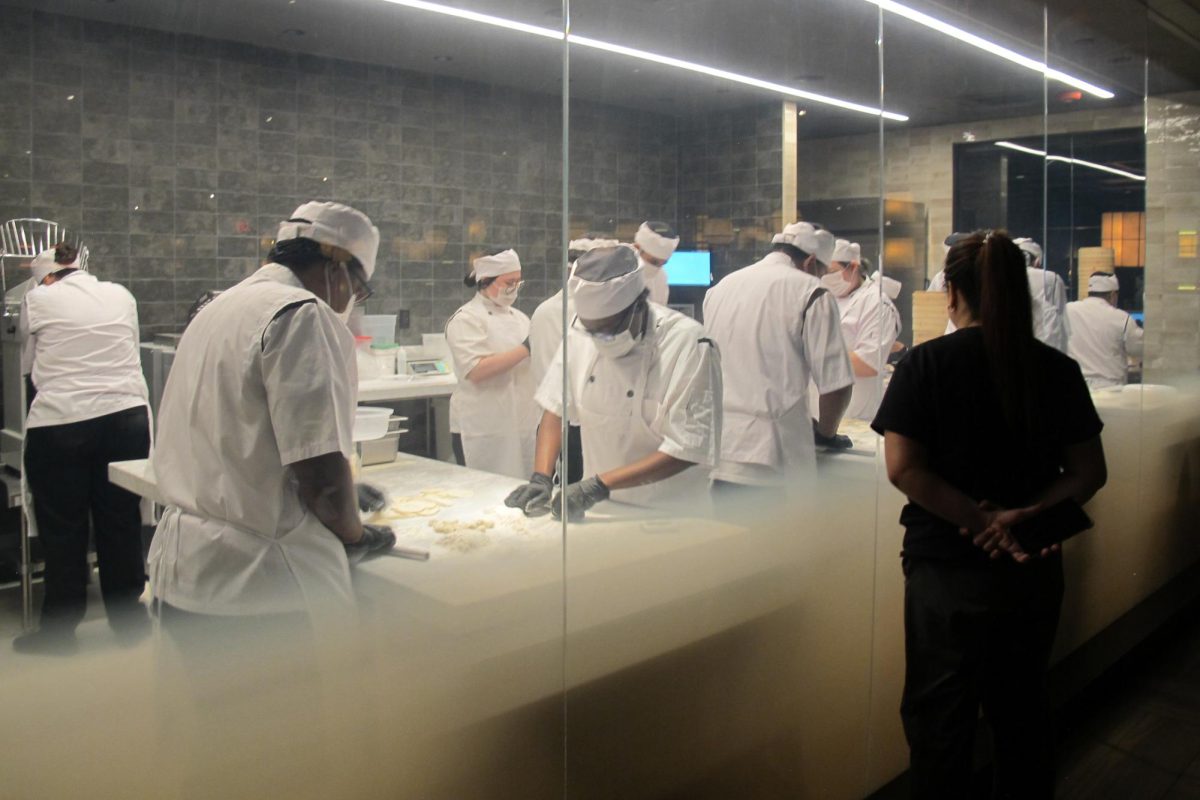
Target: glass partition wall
720, 613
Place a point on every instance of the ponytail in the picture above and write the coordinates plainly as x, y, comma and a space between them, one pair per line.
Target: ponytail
988, 270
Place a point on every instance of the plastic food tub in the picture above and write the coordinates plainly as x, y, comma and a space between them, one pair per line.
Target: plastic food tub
371, 422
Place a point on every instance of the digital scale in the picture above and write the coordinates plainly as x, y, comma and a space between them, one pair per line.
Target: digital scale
428, 366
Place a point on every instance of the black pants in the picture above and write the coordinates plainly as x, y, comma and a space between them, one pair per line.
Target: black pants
979, 636
574, 453
67, 470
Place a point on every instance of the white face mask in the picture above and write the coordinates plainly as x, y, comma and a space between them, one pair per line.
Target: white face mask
836, 284
506, 297
614, 345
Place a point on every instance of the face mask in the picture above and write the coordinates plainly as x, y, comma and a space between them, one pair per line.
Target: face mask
506, 297
344, 316
614, 345
836, 284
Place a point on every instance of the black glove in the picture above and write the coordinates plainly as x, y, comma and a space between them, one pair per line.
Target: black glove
534, 497
376, 540
580, 497
836, 442
370, 499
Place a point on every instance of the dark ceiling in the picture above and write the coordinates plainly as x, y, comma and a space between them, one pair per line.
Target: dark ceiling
824, 46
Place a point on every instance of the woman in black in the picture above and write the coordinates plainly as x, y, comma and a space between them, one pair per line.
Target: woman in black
984, 428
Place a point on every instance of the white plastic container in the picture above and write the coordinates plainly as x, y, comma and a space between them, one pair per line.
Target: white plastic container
384, 358
370, 422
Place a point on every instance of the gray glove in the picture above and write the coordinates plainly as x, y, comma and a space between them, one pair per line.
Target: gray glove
580, 497
370, 499
534, 497
836, 442
376, 540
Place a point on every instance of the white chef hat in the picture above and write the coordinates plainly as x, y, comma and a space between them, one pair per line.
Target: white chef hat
43, 264
1032, 250
1103, 282
334, 224
846, 252
951, 240
588, 243
656, 239
808, 238
496, 265
606, 281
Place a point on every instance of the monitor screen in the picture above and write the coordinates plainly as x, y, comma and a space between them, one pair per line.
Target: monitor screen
1139, 317
689, 268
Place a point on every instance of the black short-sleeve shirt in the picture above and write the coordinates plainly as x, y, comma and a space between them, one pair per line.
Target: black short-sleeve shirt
943, 396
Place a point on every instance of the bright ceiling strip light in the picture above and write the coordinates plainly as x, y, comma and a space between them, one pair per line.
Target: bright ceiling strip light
597, 44
991, 47
1078, 161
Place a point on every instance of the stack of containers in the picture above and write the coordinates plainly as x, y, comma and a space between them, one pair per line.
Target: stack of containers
384, 351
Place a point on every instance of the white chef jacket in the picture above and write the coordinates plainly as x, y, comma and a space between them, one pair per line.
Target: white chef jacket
1048, 295
656, 282
663, 396
546, 333
80, 343
1103, 339
870, 326
496, 418
264, 377
777, 328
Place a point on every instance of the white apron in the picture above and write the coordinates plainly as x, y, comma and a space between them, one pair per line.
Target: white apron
497, 418
613, 409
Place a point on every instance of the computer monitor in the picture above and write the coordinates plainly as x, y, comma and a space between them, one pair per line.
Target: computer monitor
690, 268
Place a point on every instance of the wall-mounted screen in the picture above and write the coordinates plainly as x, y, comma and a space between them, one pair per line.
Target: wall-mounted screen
690, 268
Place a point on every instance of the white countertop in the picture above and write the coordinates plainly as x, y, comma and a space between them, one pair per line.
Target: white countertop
406, 388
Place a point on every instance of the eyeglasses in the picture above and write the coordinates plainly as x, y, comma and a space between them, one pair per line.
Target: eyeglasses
362, 290
358, 282
510, 286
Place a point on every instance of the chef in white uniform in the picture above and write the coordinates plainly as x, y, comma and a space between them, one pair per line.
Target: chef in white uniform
545, 337
655, 243
870, 325
492, 412
80, 348
777, 329
644, 383
254, 433
1103, 337
1047, 293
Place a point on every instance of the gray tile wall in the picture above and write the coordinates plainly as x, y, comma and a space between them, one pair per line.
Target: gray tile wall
175, 157
731, 183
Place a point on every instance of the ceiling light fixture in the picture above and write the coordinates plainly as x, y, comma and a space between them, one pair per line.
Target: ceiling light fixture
991, 47
644, 55
1065, 160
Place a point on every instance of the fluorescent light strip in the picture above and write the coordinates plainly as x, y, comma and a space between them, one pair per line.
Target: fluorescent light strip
1078, 161
991, 47
644, 55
